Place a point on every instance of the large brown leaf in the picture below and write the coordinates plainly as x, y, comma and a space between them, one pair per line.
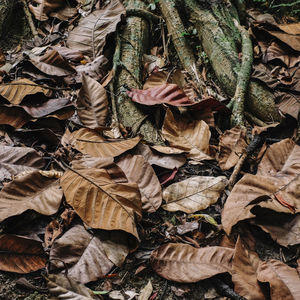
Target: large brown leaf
184, 263
190, 136
14, 116
193, 194
90, 142
276, 186
16, 90
21, 255
284, 281
100, 201
89, 36
244, 267
139, 171
82, 253
37, 190
92, 103
167, 93
52, 63
14, 160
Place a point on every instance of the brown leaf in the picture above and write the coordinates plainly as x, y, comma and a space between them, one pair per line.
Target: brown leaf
193, 194
244, 267
100, 201
16, 90
45, 7
232, 144
69, 54
13, 116
37, 190
290, 28
89, 36
64, 287
139, 171
92, 103
52, 63
14, 160
65, 13
278, 172
20, 255
284, 281
190, 136
184, 263
82, 253
90, 142
156, 79
167, 93
291, 40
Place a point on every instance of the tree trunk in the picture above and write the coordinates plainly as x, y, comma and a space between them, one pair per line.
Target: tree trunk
6, 8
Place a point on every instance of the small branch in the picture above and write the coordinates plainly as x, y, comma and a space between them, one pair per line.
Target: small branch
141, 13
285, 4
37, 85
225, 290
29, 18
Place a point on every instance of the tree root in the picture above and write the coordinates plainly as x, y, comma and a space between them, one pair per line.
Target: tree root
29, 18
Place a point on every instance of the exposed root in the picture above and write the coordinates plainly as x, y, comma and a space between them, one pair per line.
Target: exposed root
29, 18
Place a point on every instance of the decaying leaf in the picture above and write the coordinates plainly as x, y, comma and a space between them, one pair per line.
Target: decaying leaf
64, 287
146, 291
37, 190
89, 36
284, 281
184, 263
21, 255
14, 160
16, 90
193, 194
139, 171
190, 136
92, 103
100, 201
45, 7
277, 179
90, 142
167, 93
14, 116
156, 79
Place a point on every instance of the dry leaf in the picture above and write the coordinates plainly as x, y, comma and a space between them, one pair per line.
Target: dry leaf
167, 93
20, 254
92, 103
146, 291
139, 171
190, 136
65, 13
16, 90
14, 160
52, 63
89, 36
156, 79
69, 54
13, 116
277, 178
90, 142
244, 266
82, 253
45, 7
37, 190
100, 201
284, 281
232, 145
184, 263
63, 287
193, 194
290, 28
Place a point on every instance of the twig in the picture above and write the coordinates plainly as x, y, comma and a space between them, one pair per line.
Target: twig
29, 18
39, 85
142, 13
225, 290
285, 4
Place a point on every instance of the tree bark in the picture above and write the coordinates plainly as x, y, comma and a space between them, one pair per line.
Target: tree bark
6, 8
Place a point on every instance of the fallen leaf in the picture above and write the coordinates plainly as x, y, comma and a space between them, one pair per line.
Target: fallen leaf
284, 281
232, 144
64, 287
14, 160
89, 36
146, 291
117, 295
184, 263
52, 63
156, 79
21, 255
69, 54
193, 194
167, 93
244, 267
14, 116
45, 7
190, 136
166, 177
65, 13
139, 171
36, 190
187, 227
293, 28
92, 103
90, 142
16, 90
82, 253
100, 201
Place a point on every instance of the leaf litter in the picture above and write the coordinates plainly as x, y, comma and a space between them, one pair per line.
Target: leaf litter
126, 219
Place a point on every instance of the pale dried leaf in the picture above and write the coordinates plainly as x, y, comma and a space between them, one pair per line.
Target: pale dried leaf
184, 263
92, 103
146, 291
16, 90
37, 190
193, 194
